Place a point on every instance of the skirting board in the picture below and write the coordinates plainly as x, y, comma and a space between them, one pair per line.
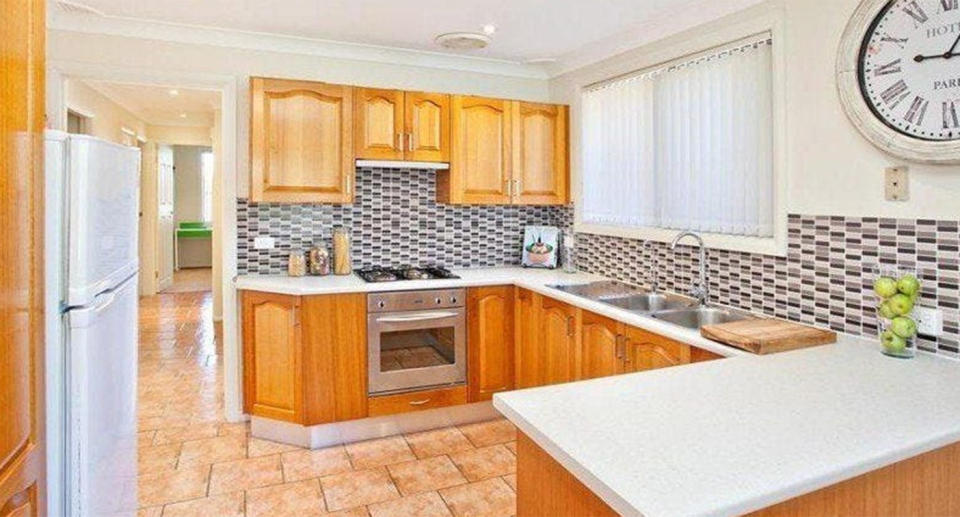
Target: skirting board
328, 435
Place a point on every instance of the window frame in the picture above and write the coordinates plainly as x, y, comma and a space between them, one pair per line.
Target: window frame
684, 47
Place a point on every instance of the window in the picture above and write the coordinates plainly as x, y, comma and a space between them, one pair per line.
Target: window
685, 146
206, 187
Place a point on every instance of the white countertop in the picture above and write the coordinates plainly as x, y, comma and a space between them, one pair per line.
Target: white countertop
734, 436
536, 280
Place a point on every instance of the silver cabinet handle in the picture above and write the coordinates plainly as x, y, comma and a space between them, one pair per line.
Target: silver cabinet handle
419, 317
508, 188
420, 402
518, 187
410, 142
400, 142
571, 328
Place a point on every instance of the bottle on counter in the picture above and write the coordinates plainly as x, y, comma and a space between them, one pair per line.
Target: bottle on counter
297, 263
341, 251
568, 252
318, 261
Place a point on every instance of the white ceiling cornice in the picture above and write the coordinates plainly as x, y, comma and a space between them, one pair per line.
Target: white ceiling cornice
96, 23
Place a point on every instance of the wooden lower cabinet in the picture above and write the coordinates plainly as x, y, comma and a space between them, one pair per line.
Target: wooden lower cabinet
528, 359
546, 488
699, 355
304, 358
602, 346
559, 335
648, 351
490, 338
417, 401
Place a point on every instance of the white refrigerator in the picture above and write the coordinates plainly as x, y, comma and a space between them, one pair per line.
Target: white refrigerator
92, 191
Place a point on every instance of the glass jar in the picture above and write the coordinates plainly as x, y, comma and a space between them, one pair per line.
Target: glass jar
568, 253
318, 261
297, 263
897, 293
341, 252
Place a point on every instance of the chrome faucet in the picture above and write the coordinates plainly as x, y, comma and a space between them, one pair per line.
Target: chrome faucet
702, 291
653, 272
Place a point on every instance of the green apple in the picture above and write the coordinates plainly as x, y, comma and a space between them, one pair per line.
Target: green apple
908, 285
885, 287
886, 311
904, 327
901, 304
893, 343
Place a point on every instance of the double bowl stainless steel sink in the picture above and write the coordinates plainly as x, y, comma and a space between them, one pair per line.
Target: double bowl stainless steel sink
671, 308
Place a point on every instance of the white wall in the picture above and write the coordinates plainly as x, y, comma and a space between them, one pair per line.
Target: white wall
831, 169
106, 117
180, 135
187, 178
106, 50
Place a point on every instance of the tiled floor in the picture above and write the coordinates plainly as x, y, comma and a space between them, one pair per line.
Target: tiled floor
193, 463
191, 280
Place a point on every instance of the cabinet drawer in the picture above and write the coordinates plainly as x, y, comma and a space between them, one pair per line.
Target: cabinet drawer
416, 401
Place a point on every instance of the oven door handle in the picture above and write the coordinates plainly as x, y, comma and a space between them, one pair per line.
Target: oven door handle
418, 317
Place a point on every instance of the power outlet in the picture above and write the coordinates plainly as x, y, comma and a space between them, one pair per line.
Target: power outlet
264, 243
929, 321
897, 184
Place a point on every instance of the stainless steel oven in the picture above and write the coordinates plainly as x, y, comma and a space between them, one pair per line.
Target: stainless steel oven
416, 339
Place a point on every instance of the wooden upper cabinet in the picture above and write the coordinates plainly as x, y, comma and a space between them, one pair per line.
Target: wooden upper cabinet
304, 359
480, 161
540, 154
378, 124
648, 351
602, 346
301, 142
427, 121
490, 338
559, 338
272, 356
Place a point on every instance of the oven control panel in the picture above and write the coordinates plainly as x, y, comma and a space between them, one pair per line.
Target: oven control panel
416, 300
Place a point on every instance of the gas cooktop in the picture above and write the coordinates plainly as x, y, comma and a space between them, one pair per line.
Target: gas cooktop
383, 274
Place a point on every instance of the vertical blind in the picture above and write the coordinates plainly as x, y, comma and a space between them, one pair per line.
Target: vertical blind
687, 145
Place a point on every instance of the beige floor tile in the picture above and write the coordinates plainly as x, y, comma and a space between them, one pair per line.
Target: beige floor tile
156, 459
489, 433
145, 438
437, 442
512, 446
428, 504
362, 487
234, 429
512, 481
176, 485
424, 475
226, 505
257, 447
185, 433
360, 511
490, 498
375, 453
485, 463
153, 511
213, 450
246, 473
308, 464
300, 499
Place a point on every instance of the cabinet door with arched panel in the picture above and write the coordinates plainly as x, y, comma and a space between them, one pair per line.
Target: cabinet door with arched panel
427, 117
539, 154
378, 124
647, 351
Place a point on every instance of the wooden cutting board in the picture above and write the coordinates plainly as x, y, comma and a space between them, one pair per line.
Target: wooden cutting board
768, 336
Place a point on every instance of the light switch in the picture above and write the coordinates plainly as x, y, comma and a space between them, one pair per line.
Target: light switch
898, 184
929, 321
264, 243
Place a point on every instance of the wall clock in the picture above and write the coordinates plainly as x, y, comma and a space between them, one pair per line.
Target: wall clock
898, 75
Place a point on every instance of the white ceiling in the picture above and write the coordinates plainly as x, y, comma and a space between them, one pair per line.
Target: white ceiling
526, 29
157, 107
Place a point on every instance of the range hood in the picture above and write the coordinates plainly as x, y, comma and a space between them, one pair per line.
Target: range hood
401, 164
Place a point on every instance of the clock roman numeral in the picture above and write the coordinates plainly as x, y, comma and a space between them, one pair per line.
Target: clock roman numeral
917, 110
950, 118
895, 94
916, 12
892, 67
900, 42
950, 5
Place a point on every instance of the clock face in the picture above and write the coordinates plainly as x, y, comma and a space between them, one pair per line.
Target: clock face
909, 68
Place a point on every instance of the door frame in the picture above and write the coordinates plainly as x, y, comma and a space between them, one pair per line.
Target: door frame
229, 86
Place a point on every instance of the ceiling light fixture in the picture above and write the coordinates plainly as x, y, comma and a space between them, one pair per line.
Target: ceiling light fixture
183, 115
174, 93
463, 40
489, 29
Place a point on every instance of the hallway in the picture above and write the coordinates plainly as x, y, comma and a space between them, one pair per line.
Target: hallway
194, 463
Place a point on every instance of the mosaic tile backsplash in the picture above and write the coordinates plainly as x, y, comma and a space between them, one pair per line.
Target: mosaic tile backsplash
826, 278
394, 221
